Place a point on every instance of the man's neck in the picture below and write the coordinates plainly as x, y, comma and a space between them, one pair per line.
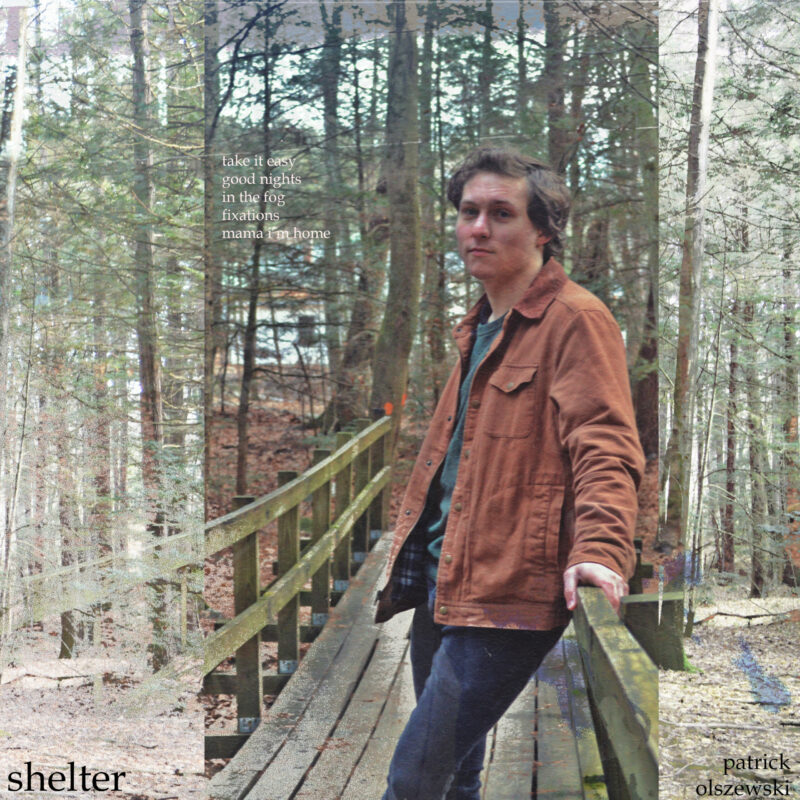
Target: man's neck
503, 297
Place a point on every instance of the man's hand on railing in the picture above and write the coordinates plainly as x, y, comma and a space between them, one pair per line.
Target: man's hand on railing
612, 584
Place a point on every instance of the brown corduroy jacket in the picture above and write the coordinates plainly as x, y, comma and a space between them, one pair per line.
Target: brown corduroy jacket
549, 466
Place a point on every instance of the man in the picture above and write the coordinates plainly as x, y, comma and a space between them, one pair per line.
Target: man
525, 485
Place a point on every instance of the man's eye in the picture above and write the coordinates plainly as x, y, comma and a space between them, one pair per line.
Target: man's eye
502, 213
468, 212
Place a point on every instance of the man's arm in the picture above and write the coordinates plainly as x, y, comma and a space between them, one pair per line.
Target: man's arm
612, 584
597, 428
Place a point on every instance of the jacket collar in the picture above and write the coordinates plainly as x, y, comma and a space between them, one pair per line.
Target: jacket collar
543, 289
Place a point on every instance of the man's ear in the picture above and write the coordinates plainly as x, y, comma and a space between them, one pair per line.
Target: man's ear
543, 239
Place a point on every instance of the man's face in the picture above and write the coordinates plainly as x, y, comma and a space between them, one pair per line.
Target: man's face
496, 239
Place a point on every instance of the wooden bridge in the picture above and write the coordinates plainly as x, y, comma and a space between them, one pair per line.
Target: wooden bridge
585, 727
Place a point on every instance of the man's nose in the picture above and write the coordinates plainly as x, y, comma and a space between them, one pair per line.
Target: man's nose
480, 227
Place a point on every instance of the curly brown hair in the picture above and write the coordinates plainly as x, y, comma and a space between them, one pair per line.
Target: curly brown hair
548, 197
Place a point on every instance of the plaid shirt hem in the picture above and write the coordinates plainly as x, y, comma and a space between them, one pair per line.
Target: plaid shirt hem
408, 574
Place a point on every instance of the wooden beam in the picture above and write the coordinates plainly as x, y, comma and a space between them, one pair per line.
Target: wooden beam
623, 683
224, 745
660, 637
225, 683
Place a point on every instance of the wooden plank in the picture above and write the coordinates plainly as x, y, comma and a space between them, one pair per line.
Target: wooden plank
509, 773
557, 767
369, 778
287, 770
288, 556
249, 689
220, 644
623, 682
226, 530
591, 765
242, 772
344, 747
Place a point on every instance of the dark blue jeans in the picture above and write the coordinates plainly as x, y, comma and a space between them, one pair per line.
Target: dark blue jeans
464, 679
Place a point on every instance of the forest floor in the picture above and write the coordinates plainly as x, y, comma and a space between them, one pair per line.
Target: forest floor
85, 710
740, 702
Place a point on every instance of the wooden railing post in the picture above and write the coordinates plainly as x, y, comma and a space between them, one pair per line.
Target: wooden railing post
320, 522
378, 511
246, 586
288, 556
344, 493
360, 480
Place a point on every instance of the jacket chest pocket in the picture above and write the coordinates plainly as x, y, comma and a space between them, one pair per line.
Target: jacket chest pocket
509, 405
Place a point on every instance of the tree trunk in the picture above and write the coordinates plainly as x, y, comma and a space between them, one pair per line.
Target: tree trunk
790, 389
727, 562
679, 449
251, 326
486, 75
757, 458
433, 308
557, 138
350, 379
401, 171
333, 275
151, 409
214, 333
645, 391
10, 144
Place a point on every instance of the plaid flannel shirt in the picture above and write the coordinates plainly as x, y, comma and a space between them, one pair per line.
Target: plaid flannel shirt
408, 575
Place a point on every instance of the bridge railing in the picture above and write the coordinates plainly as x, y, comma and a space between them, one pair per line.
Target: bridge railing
346, 489
622, 686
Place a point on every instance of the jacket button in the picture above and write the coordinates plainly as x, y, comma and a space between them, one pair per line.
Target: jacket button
457, 507
476, 403
510, 385
408, 512
450, 418
428, 463
466, 454
448, 559
443, 610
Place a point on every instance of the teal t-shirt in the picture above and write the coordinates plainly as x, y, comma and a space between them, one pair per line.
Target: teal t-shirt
437, 505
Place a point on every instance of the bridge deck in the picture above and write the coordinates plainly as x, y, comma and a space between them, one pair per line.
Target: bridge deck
332, 731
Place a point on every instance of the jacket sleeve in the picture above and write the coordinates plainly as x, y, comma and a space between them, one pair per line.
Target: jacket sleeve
597, 429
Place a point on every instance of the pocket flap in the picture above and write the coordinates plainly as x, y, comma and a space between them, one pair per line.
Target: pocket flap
509, 377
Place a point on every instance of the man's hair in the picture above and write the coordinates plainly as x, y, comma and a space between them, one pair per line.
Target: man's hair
548, 196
